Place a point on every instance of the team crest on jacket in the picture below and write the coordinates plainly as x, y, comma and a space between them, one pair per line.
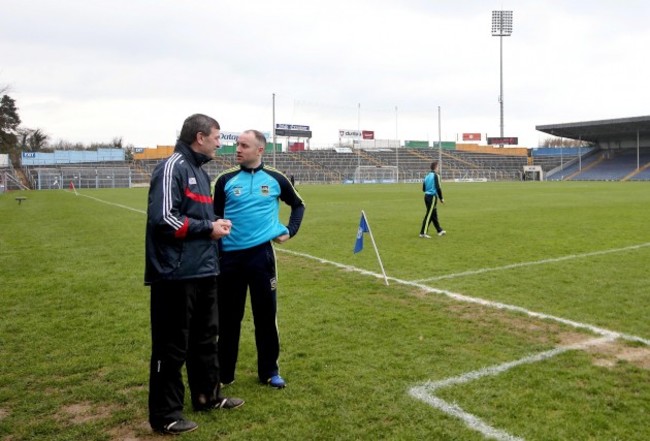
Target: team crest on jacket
237, 191
265, 190
192, 180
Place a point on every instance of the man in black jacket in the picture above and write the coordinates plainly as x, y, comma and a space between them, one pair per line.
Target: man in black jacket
181, 268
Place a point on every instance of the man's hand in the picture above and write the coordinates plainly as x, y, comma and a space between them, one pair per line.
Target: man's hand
220, 228
281, 239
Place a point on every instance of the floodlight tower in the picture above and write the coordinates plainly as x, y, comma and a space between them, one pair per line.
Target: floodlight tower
501, 27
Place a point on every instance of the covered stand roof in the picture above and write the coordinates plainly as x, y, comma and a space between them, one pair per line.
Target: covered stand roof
620, 132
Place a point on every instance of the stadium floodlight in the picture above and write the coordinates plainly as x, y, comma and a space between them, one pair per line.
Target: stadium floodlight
501, 23
501, 27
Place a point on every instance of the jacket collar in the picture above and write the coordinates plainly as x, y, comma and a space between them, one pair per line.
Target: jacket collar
252, 170
198, 159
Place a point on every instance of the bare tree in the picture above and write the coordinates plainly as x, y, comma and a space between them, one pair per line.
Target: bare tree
67, 145
557, 142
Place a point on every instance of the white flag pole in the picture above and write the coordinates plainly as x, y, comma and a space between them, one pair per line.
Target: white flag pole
381, 265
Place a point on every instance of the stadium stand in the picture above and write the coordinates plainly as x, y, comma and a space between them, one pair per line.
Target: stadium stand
642, 175
623, 147
620, 152
309, 166
9, 180
573, 166
86, 175
612, 166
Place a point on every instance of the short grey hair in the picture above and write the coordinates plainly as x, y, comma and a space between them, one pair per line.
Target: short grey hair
197, 123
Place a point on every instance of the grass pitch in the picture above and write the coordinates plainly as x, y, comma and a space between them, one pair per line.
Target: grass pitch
553, 264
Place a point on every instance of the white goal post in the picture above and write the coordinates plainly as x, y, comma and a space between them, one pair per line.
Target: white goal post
371, 174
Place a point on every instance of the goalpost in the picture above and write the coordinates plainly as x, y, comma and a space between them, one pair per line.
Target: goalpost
371, 174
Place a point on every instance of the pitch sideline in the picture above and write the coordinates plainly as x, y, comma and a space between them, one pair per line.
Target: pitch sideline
536, 262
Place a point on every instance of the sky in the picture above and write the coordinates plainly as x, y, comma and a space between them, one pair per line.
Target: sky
91, 71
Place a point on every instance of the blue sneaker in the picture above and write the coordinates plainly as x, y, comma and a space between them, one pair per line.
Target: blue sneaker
276, 381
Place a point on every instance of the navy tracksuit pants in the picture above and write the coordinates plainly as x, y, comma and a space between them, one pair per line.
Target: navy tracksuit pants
431, 216
184, 330
254, 270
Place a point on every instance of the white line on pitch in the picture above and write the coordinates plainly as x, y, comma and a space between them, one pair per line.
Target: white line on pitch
477, 300
536, 262
425, 391
126, 207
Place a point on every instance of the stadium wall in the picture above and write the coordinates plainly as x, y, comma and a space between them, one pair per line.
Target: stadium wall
410, 144
566, 151
514, 151
71, 157
369, 144
446, 145
160, 152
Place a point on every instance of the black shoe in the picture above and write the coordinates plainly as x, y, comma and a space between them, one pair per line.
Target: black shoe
221, 403
177, 427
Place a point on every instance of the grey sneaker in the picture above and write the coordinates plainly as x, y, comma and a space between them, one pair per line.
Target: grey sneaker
442, 233
227, 403
425, 236
177, 427
220, 403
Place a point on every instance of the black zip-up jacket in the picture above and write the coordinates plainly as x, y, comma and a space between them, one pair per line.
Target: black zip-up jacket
179, 220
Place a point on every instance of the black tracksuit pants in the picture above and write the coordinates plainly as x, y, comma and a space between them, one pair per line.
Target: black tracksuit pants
243, 270
184, 328
431, 216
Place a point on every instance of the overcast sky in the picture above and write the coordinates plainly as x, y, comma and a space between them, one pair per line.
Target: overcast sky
89, 71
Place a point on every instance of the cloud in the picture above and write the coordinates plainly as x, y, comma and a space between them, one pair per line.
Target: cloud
91, 71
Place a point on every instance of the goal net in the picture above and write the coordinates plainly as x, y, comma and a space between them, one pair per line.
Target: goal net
370, 174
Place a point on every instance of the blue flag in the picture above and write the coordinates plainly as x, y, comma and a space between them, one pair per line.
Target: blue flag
363, 228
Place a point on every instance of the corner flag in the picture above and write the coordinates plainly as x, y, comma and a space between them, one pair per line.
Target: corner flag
363, 228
